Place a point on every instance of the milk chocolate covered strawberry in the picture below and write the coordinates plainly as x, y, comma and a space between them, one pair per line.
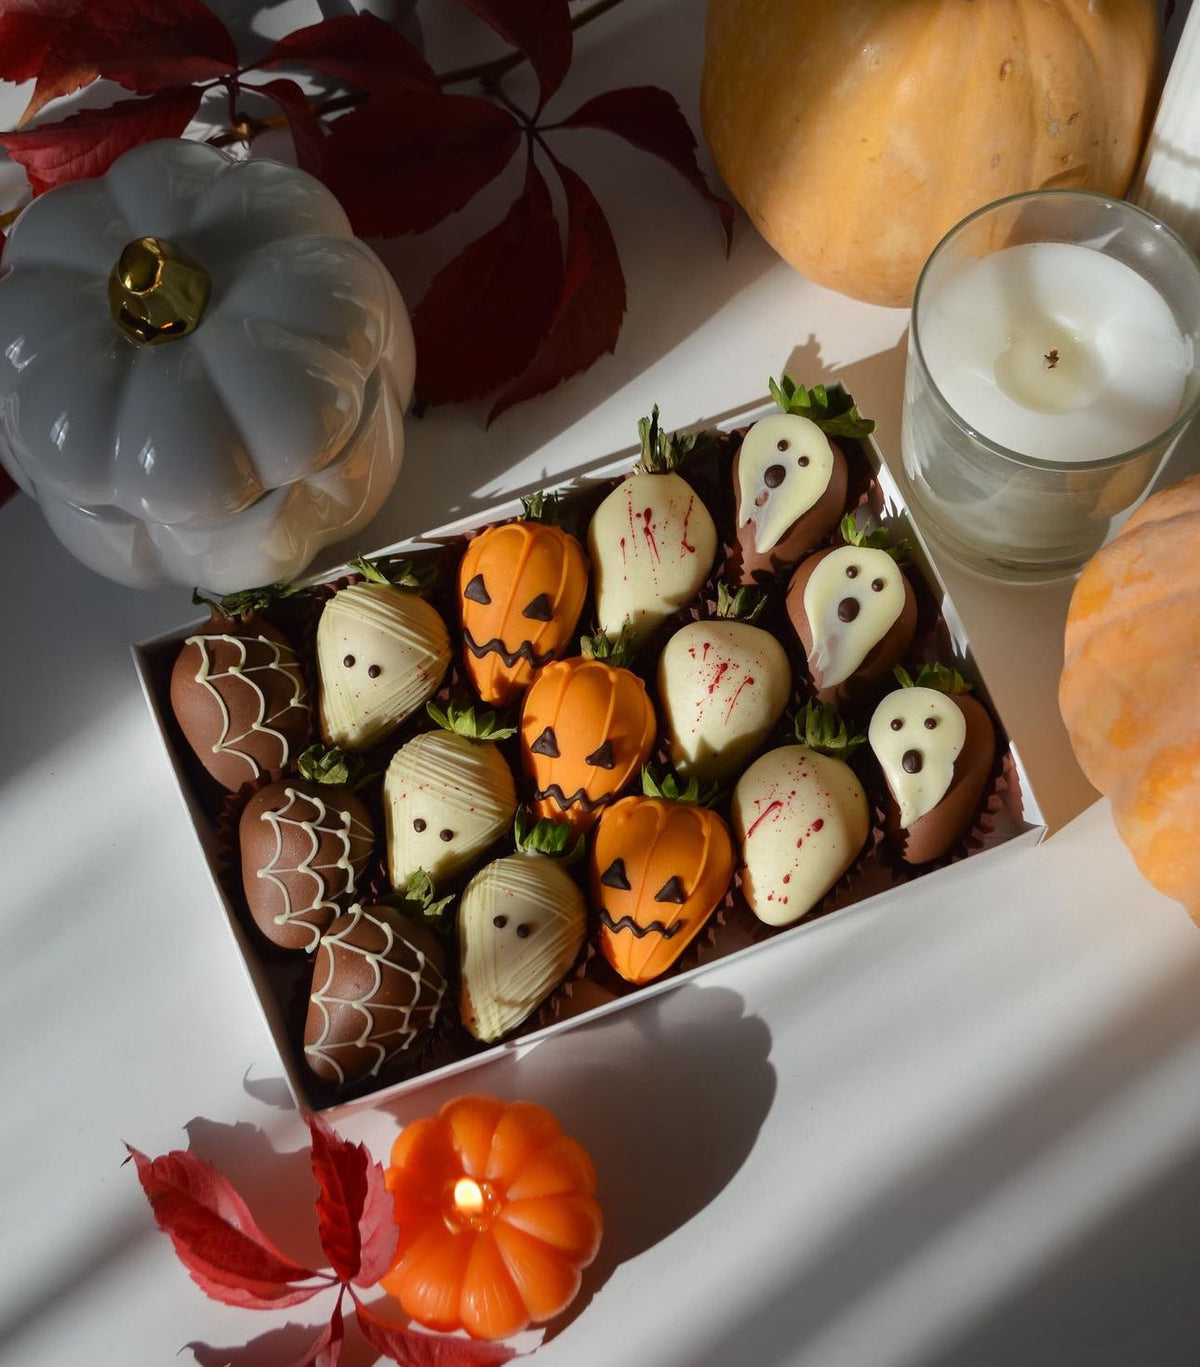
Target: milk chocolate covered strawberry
936, 746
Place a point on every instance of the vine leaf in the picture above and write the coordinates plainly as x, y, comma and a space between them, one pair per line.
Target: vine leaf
591, 302
541, 29
416, 1349
485, 314
650, 120
402, 163
308, 137
326, 1349
86, 144
358, 50
354, 1210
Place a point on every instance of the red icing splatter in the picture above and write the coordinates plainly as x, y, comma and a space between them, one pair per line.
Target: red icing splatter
758, 820
622, 550
683, 541
819, 824
749, 679
706, 648
648, 532
787, 877
722, 666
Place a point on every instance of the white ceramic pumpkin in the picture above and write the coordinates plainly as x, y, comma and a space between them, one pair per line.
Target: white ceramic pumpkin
224, 401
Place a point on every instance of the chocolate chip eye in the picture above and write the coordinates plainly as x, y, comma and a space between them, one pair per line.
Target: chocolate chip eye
912, 761
499, 922
851, 571
524, 930
671, 891
546, 744
446, 835
773, 475
540, 609
418, 824
348, 661
476, 591
615, 876
782, 444
803, 460
930, 723
374, 672
847, 609
896, 723
878, 585
602, 757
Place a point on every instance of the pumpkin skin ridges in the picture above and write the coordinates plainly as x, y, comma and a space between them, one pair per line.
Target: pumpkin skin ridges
822, 123
1158, 818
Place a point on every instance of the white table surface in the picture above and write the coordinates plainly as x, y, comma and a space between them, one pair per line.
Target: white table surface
961, 1129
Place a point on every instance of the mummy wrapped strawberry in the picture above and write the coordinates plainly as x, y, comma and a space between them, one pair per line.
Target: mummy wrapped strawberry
936, 746
587, 727
379, 978
304, 845
722, 684
521, 923
238, 693
801, 819
660, 865
521, 588
652, 541
855, 614
790, 479
381, 653
447, 795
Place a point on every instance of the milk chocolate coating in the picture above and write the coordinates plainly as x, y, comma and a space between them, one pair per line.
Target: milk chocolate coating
240, 700
875, 672
931, 835
304, 848
378, 982
748, 566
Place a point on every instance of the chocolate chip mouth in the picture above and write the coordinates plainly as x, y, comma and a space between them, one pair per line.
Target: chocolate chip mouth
496, 646
628, 923
578, 798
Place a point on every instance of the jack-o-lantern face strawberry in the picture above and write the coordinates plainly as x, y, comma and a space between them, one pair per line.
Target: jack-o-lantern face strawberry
521, 589
658, 871
587, 728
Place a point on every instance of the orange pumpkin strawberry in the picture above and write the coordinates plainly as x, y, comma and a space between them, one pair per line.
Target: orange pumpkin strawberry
496, 1213
587, 727
658, 870
521, 589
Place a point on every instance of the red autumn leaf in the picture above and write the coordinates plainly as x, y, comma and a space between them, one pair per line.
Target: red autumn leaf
7, 487
415, 1349
541, 29
87, 143
354, 1210
358, 50
27, 30
591, 303
308, 136
401, 164
326, 1348
485, 313
248, 1295
214, 1233
649, 119
144, 45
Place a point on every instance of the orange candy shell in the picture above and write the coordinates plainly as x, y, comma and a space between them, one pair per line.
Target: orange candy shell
519, 561
525, 1265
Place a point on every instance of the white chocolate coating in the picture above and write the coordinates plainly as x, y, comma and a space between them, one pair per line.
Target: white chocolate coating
506, 975
652, 544
870, 580
937, 747
377, 627
443, 783
801, 818
723, 685
800, 458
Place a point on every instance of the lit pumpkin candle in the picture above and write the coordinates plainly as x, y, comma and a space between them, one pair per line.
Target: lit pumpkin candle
497, 1217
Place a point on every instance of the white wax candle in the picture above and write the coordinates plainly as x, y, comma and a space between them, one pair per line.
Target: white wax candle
1056, 351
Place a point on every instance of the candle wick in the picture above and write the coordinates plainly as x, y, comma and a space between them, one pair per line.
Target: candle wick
1051, 358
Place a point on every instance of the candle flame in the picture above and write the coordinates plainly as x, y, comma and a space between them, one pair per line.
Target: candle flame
468, 1197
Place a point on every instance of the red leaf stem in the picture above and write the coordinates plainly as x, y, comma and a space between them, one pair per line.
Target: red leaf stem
308, 134
326, 1348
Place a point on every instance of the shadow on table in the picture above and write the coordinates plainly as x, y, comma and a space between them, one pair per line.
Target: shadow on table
1093, 1294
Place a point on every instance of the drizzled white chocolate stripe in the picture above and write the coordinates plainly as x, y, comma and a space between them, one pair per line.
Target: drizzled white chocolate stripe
386, 1029
282, 660
345, 829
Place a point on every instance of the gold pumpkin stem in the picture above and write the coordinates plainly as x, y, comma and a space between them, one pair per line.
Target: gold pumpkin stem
156, 291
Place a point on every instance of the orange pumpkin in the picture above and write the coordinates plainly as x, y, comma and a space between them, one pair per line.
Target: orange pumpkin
1130, 687
658, 870
521, 589
587, 728
497, 1216
856, 134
